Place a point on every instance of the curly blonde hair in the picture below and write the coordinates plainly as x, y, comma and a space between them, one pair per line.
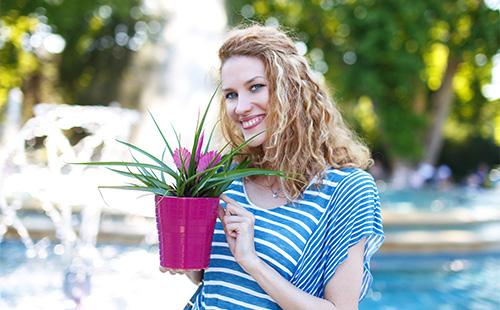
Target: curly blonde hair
306, 133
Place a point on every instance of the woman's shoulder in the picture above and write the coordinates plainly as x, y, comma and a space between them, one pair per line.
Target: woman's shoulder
349, 175
350, 183
335, 181
355, 193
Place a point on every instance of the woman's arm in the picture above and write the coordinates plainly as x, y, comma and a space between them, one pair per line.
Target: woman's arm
195, 276
341, 292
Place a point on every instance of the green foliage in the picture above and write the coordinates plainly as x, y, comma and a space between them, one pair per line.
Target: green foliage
15, 62
99, 36
473, 152
386, 51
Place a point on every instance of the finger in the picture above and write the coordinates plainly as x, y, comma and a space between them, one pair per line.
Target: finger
228, 200
233, 234
235, 229
221, 212
234, 219
237, 210
171, 271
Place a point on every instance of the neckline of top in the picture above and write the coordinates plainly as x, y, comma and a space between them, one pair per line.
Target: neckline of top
250, 202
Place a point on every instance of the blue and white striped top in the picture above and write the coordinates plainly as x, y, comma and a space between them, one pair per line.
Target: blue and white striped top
304, 240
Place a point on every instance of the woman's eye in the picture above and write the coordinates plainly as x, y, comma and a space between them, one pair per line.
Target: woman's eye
256, 87
231, 95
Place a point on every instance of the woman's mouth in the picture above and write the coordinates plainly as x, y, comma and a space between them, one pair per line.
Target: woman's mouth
252, 122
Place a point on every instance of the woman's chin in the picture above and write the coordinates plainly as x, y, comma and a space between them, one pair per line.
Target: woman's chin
255, 142
257, 136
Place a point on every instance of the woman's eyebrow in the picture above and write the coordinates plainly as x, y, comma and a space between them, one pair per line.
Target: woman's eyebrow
254, 78
247, 82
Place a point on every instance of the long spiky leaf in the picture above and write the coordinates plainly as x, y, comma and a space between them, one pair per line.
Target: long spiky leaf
139, 188
161, 163
210, 137
144, 170
161, 133
131, 164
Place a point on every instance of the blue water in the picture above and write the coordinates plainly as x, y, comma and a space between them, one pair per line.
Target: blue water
433, 199
446, 281
122, 278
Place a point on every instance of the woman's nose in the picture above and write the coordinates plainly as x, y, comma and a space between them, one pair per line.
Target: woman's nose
244, 105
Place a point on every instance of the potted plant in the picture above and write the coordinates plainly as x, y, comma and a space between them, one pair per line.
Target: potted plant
187, 196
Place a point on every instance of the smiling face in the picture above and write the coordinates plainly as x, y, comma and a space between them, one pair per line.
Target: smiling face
246, 92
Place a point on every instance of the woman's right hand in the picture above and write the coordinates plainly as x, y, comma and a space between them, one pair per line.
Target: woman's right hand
172, 271
194, 275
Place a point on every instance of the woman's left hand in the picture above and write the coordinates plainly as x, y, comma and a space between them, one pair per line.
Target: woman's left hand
238, 226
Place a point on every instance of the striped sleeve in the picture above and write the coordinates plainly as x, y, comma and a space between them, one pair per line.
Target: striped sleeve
355, 215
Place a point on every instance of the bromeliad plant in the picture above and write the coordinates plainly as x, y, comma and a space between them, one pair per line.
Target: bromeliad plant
198, 173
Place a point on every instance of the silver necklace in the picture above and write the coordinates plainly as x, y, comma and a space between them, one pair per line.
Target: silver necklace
275, 193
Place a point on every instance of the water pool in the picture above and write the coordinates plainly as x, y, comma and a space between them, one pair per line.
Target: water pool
444, 281
435, 200
126, 277
123, 277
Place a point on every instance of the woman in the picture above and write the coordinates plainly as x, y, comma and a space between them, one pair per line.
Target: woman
301, 243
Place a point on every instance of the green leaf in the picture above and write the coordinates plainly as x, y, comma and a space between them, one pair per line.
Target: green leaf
199, 129
163, 159
236, 174
181, 184
156, 191
227, 177
161, 133
140, 177
161, 163
144, 170
210, 137
129, 164
147, 180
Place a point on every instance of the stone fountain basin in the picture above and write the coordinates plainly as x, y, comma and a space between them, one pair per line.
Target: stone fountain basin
460, 230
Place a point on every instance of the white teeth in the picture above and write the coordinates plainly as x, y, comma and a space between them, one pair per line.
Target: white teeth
252, 122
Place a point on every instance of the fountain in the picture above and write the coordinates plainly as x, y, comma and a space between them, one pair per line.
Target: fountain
12, 124
35, 174
51, 205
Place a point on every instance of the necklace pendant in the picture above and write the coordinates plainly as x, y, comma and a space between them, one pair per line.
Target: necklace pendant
275, 195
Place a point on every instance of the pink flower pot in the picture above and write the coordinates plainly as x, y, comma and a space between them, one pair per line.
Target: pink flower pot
185, 230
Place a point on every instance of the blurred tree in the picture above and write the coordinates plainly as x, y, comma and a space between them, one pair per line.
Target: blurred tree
70, 51
403, 68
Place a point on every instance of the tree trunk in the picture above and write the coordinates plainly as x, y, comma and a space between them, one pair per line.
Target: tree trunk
31, 89
441, 101
420, 100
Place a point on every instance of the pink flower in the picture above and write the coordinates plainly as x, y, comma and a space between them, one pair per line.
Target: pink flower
181, 155
208, 160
